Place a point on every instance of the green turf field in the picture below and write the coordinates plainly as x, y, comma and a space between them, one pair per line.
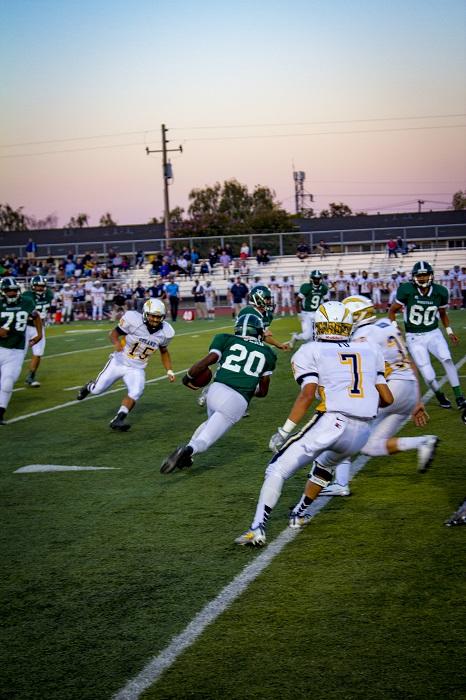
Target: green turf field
101, 569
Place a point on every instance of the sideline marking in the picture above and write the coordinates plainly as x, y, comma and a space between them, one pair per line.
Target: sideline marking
32, 468
88, 330
91, 396
209, 613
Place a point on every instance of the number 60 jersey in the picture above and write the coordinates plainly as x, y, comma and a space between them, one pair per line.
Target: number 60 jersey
140, 343
346, 374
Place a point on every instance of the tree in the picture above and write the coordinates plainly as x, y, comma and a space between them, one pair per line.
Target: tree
107, 220
49, 221
12, 219
336, 209
78, 221
459, 200
153, 221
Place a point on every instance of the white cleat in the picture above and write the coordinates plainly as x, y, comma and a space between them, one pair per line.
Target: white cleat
292, 341
335, 490
426, 453
252, 537
296, 522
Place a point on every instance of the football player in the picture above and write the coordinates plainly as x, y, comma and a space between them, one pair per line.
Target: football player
351, 378
403, 383
142, 334
15, 312
308, 300
42, 298
98, 299
245, 364
423, 302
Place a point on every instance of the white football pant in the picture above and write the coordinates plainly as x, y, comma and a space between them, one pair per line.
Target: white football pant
327, 438
225, 407
39, 348
97, 310
286, 300
376, 297
11, 362
67, 310
307, 323
433, 342
133, 377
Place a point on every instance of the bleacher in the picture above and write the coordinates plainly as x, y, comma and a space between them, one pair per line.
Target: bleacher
299, 271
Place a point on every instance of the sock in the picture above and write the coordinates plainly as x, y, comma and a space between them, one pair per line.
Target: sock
268, 497
457, 392
342, 473
31, 375
302, 506
409, 443
123, 411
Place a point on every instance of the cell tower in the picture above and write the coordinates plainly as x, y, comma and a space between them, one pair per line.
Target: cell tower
299, 194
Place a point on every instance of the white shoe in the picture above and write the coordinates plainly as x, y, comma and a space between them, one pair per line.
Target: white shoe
252, 537
296, 522
335, 490
292, 340
426, 453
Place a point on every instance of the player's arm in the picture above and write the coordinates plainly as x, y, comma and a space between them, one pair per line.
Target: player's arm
167, 362
262, 388
270, 340
393, 310
36, 319
198, 367
115, 336
446, 322
386, 396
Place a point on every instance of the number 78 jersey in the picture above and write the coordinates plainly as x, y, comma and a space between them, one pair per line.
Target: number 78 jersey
346, 374
242, 362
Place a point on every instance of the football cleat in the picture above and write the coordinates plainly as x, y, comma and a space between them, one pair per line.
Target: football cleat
83, 392
118, 423
32, 383
179, 459
464, 416
443, 401
292, 340
426, 453
296, 522
335, 490
254, 537
461, 402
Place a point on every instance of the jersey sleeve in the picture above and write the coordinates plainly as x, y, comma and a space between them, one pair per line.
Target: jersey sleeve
402, 294
304, 366
380, 366
303, 291
444, 295
218, 343
168, 334
270, 364
126, 324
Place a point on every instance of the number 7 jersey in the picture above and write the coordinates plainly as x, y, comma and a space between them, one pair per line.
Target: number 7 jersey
346, 374
140, 343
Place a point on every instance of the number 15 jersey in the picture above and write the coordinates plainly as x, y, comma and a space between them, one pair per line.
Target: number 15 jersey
242, 362
346, 374
140, 343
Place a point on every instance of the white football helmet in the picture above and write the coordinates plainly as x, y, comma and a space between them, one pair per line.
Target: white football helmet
153, 313
333, 321
362, 310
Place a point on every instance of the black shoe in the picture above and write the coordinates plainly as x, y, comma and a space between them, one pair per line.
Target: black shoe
118, 423
464, 416
83, 392
461, 402
443, 401
179, 459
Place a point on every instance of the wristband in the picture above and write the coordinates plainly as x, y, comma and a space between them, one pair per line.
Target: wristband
289, 426
449, 330
170, 373
394, 323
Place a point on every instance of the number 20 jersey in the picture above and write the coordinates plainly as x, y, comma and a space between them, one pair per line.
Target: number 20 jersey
346, 374
140, 343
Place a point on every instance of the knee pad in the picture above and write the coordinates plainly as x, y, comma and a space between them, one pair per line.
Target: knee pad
320, 475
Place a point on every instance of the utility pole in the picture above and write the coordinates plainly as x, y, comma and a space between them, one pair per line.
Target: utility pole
420, 202
299, 195
167, 174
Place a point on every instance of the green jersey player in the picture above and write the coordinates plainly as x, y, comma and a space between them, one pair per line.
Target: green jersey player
15, 311
260, 304
245, 364
423, 303
42, 297
310, 296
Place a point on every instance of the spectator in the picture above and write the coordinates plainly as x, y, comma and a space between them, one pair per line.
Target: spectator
244, 270
199, 299
225, 261
401, 246
139, 295
204, 269
302, 251
259, 256
194, 257
173, 292
164, 269
213, 257
411, 247
31, 249
229, 251
322, 249
244, 251
157, 290
392, 248
139, 261
238, 291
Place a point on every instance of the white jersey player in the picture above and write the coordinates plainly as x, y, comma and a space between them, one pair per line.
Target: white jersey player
286, 289
143, 334
392, 286
365, 284
351, 378
98, 299
353, 284
210, 299
274, 287
403, 384
67, 295
376, 287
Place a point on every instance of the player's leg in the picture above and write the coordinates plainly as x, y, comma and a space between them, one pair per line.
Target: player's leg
418, 347
134, 379
111, 372
11, 362
37, 353
439, 348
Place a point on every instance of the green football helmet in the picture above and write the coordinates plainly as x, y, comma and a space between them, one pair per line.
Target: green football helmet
249, 325
260, 296
39, 284
316, 277
10, 290
422, 274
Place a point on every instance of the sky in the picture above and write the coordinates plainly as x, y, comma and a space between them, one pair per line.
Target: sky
367, 98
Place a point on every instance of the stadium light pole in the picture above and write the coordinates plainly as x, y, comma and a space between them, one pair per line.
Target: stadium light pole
167, 175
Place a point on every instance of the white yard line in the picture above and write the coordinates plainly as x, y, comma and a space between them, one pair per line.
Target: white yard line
167, 657
35, 468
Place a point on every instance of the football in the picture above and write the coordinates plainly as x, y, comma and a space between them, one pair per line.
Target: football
199, 381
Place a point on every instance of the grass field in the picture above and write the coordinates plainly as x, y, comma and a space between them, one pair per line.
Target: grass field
101, 569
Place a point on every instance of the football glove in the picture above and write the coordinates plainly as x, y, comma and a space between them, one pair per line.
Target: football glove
278, 439
188, 381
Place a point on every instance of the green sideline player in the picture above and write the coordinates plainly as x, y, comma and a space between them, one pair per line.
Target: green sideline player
245, 364
42, 297
423, 302
310, 296
15, 311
